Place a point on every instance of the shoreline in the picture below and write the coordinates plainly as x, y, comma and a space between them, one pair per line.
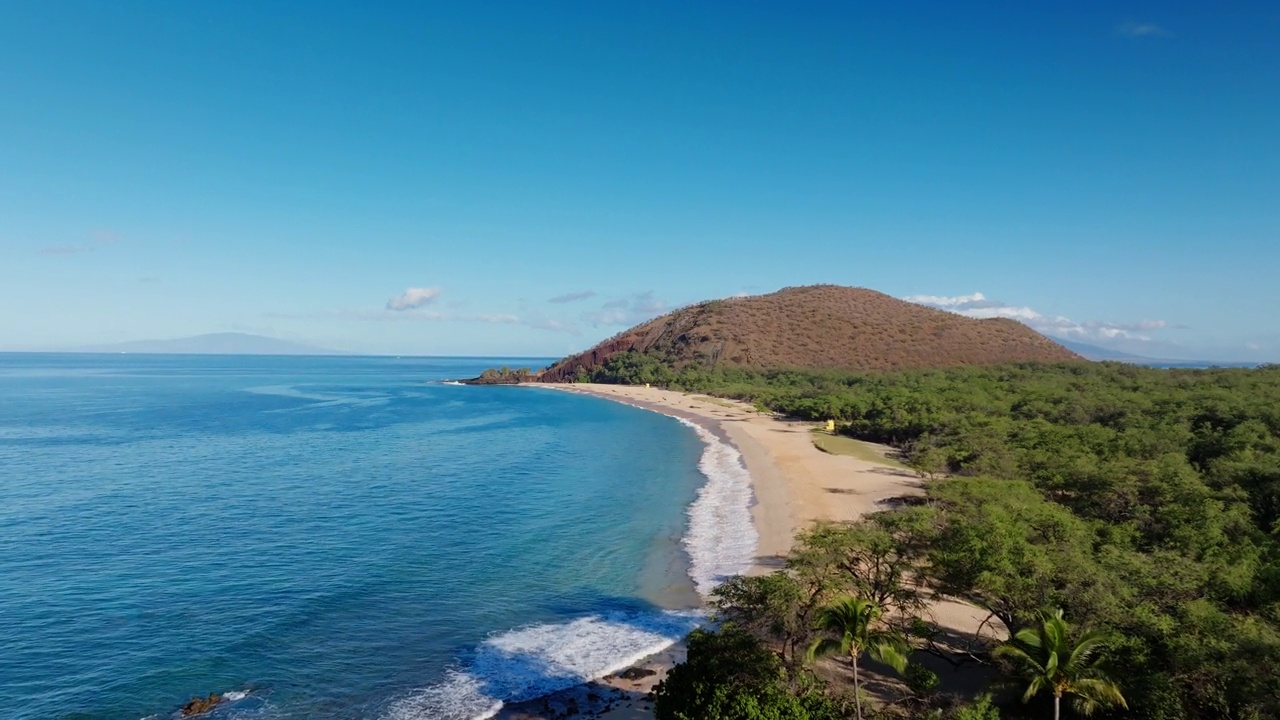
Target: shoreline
626, 695
793, 485
771, 508
789, 478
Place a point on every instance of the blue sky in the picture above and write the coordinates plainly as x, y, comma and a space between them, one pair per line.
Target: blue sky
526, 179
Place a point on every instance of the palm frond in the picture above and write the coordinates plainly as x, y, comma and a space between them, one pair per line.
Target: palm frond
1090, 644
1033, 688
1029, 637
1054, 633
890, 653
1051, 664
1099, 692
825, 646
1048, 658
1020, 657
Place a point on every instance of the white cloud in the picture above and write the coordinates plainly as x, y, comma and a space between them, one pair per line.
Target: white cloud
941, 301
501, 319
553, 326
429, 316
630, 310
573, 296
413, 298
978, 305
1136, 29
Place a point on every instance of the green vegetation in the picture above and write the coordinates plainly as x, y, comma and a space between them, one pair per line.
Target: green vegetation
850, 624
1050, 659
1144, 502
844, 445
503, 376
715, 401
730, 675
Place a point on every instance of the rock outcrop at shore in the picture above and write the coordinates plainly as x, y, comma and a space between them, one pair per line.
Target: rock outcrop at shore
502, 376
819, 327
198, 706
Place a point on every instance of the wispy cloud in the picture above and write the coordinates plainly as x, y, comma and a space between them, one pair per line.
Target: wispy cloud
426, 315
1139, 30
573, 297
384, 315
499, 319
978, 305
552, 326
420, 305
413, 298
629, 310
66, 249
98, 239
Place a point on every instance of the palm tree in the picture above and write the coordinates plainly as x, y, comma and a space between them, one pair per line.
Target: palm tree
1048, 658
852, 621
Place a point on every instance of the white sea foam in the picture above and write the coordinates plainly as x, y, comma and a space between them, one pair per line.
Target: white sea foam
540, 659
320, 398
722, 539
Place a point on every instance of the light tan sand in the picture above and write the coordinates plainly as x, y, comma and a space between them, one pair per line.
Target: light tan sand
795, 484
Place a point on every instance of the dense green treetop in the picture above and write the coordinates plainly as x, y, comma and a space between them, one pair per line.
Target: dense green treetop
1145, 502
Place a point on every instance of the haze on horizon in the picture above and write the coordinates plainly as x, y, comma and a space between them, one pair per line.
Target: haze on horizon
503, 180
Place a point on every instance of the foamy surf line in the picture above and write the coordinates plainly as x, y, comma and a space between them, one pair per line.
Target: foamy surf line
540, 660
543, 659
722, 538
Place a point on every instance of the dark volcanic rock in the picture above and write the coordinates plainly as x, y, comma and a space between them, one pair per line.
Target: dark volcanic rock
199, 706
636, 673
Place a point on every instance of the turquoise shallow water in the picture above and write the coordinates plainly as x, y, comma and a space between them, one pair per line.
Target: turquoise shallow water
332, 537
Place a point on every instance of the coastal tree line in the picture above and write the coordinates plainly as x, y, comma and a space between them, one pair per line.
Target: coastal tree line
1142, 503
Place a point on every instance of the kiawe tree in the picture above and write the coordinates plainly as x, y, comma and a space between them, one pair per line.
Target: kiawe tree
852, 626
731, 675
1049, 658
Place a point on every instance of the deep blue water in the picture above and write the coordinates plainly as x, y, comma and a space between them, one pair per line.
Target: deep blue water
335, 537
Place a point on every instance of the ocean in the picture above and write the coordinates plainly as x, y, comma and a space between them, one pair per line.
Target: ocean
339, 537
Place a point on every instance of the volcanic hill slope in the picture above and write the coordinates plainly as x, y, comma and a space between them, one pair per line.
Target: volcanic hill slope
820, 326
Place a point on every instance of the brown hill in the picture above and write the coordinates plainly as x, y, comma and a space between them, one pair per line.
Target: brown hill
821, 326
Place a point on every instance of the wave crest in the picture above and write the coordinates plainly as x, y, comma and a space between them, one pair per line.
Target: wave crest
538, 660
722, 538
541, 659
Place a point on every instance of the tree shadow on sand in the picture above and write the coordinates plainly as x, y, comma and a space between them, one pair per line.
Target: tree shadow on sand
771, 562
895, 472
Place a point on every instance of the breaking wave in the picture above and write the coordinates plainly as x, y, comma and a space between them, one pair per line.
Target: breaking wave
541, 659
538, 660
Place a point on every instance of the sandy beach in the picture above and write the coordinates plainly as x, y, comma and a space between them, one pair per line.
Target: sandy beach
794, 483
